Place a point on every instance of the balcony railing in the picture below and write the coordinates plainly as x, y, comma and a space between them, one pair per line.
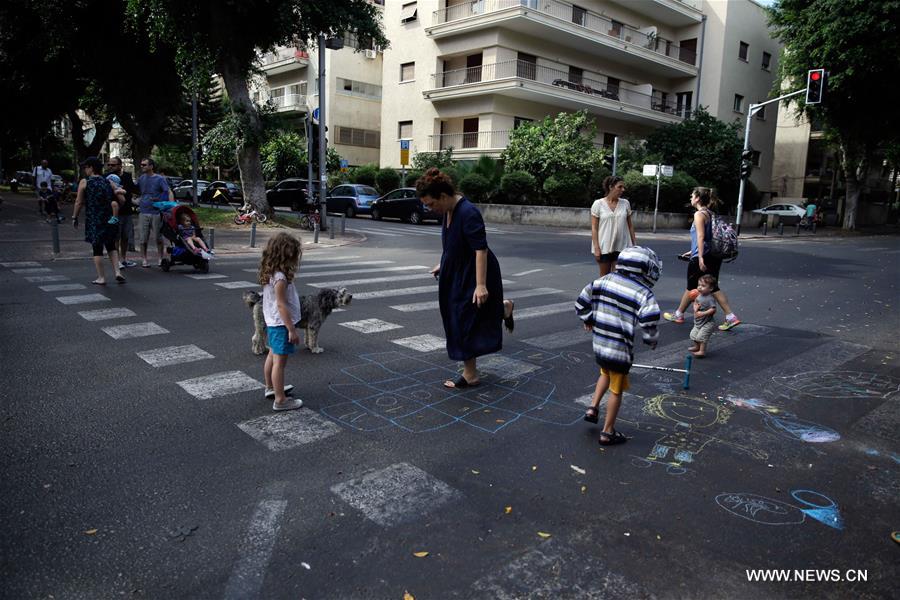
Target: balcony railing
522, 69
569, 13
289, 102
477, 140
283, 54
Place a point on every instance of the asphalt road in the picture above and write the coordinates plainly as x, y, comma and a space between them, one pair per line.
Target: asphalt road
139, 458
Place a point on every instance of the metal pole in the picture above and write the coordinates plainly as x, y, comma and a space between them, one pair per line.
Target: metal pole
765, 225
331, 229
212, 238
194, 148
740, 205
54, 228
316, 232
307, 123
253, 234
343, 223
323, 120
615, 153
656, 207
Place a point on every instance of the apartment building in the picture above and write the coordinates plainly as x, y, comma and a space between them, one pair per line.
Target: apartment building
353, 94
465, 73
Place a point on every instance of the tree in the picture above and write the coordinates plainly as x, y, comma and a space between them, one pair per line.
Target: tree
858, 42
561, 144
703, 146
226, 38
387, 180
284, 155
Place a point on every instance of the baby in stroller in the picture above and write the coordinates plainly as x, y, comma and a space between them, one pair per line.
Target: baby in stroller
182, 228
194, 242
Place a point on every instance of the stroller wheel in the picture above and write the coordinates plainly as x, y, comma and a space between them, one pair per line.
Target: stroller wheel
166, 265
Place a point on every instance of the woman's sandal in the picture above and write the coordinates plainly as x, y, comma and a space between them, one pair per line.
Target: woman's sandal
460, 382
510, 321
592, 414
612, 438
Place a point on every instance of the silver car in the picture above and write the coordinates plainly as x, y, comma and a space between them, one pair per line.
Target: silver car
782, 210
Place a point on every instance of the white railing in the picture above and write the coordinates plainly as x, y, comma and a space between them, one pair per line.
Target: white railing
477, 140
283, 55
289, 102
521, 69
569, 13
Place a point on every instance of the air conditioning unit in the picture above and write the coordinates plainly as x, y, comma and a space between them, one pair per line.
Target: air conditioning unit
371, 54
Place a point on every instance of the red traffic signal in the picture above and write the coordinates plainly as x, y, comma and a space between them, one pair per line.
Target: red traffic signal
815, 86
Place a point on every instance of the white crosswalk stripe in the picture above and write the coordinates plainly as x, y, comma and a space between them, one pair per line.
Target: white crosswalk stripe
369, 232
547, 309
237, 285
368, 270
133, 330
83, 299
20, 265
370, 325
529, 272
208, 275
30, 270
325, 265
434, 305
173, 355
104, 314
328, 257
410, 291
348, 282
220, 384
62, 287
284, 431
46, 278
422, 343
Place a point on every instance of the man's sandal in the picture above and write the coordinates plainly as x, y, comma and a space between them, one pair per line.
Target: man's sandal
592, 414
611, 439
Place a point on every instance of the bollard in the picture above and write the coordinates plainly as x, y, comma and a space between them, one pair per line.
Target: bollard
343, 223
253, 234
814, 227
316, 232
331, 229
687, 372
781, 228
798, 228
55, 231
212, 238
765, 226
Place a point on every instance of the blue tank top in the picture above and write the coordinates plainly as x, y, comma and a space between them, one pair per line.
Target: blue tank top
695, 250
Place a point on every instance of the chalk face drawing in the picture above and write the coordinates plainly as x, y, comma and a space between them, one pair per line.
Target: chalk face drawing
687, 425
841, 384
393, 389
767, 511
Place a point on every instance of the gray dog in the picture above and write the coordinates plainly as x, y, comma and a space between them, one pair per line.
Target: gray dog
313, 312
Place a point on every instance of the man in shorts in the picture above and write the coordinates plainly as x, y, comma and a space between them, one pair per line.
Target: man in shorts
153, 188
42, 174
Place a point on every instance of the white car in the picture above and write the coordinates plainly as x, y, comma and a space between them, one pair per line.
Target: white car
782, 210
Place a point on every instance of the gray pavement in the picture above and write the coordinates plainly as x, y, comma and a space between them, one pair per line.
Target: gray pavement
140, 459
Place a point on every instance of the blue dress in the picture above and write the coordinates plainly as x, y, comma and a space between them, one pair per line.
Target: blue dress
98, 197
470, 331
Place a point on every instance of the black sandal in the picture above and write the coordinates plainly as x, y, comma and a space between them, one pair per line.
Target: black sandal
592, 414
612, 438
509, 321
461, 382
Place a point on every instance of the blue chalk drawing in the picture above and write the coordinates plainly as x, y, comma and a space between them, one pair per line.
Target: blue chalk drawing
841, 384
767, 511
826, 513
801, 430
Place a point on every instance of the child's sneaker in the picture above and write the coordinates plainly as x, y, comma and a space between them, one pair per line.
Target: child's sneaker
729, 323
674, 317
289, 404
271, 393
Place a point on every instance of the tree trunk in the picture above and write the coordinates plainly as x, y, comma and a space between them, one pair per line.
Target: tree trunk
252, 180
855, 171
101, 132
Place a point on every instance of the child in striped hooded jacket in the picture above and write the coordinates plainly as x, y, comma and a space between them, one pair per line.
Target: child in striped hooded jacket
611, 307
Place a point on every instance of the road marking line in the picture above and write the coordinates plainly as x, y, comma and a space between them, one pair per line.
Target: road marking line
46, 278
547, 309
374, 232
344, 283
280, 431
103, 314
236, 285
83, 299
879, 249
255, 550
397, 494
305, 267
323, 258
220, 384
579, 263
208, 275
173, 355
133, 330
375, 270
370, 325
422, 343
62, 287
422, 289
434, 305
32, 270
22, 264
529, 272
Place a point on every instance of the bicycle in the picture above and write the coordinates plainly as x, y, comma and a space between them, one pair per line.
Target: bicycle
242, 218
310, 221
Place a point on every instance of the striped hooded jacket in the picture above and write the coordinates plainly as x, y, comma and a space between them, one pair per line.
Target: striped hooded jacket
614, 304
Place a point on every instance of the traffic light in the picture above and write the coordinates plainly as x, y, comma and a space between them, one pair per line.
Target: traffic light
815, 86
314, 136
746, 164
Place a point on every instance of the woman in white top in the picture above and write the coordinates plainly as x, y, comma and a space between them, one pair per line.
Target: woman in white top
611, 227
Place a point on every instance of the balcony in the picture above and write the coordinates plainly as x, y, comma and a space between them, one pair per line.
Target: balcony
283, 60
528, 81
571, 26
471, 144
677, 13
289, 103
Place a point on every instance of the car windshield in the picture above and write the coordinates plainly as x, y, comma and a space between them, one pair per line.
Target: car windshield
367, 191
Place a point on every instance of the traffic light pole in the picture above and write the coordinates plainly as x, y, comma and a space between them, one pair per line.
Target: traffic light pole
323, 212
752, 110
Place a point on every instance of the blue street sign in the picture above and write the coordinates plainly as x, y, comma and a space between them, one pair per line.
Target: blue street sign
344, 163
404, 144
315, 114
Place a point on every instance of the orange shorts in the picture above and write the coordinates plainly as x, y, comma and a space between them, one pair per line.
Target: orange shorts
618, 382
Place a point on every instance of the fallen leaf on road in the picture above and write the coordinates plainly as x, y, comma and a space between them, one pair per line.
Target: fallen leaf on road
534, 468
578, 469
500, 421
422, 554
507, 510
90, 532
305, 566
408, 596
583, 489
543, 535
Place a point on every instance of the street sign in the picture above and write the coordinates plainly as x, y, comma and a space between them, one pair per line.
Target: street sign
649, 170
667, 170
315, 114
344, 165
404, 152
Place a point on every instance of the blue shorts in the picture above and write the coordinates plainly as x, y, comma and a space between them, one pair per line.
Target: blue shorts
278, 340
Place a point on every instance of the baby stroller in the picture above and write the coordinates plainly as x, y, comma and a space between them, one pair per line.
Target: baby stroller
178, 252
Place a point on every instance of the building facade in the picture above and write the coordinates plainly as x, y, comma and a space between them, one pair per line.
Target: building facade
464, 73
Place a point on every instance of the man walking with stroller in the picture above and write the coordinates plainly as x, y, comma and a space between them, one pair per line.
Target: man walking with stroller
153, 188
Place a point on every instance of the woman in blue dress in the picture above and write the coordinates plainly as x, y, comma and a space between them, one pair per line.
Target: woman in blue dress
101, 220
470, 289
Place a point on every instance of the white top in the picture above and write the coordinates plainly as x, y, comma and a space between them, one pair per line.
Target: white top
42, 174
612, 231
270, 303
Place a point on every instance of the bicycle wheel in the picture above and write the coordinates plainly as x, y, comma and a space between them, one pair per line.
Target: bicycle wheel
260, 218
304, 222
238, 220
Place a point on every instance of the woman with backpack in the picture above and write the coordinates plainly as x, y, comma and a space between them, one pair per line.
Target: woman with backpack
701, 260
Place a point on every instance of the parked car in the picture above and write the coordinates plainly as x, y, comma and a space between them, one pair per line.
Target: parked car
403, 204
25, 177
57, 183
351, 199
232, 192
173, 181
184, 190
292, 192
782, 210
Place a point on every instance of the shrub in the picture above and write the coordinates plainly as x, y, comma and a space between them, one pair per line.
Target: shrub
595, 185
365, 175
475, 186
411, 176
674, 192
517, 186
387, 180
565, 189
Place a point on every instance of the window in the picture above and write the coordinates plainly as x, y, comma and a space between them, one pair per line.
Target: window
473, 68
408, 12
683, 104
615, 29
612, 88
526, 66
470, 133
365, 138
404, 130
578, 15
687, 51
738, 103
661, 101
766, 61
407, 71
359, 89
744, 51
519, 121
609, 139
576, 74
761, 113
754, 158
